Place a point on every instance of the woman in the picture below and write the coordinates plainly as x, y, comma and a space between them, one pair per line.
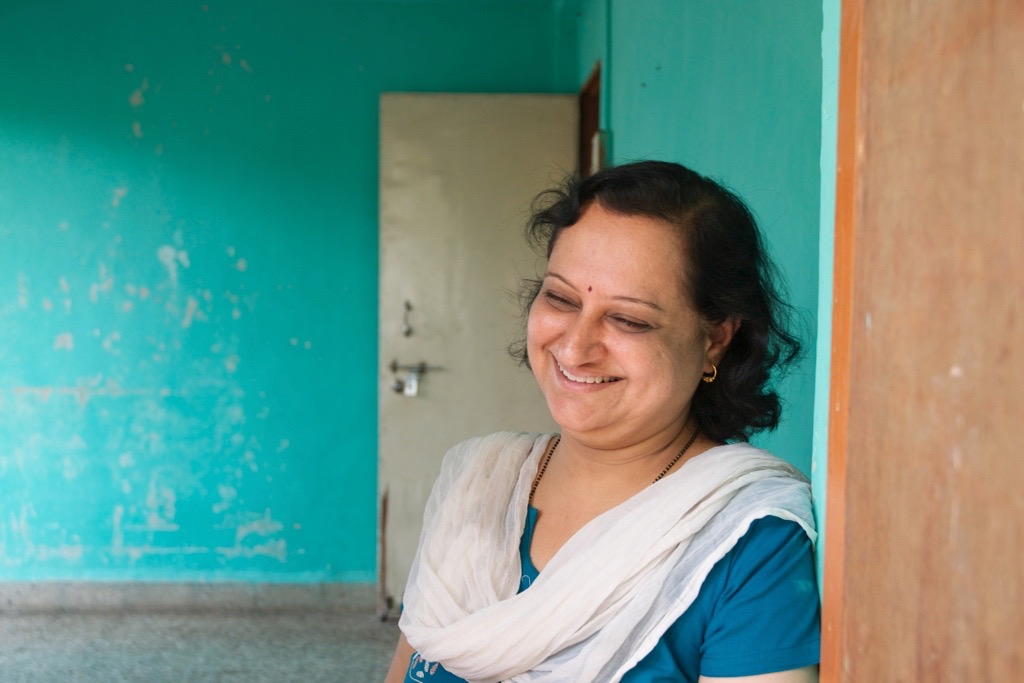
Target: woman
647, 541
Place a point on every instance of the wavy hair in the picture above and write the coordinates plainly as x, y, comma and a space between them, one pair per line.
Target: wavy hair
729, 275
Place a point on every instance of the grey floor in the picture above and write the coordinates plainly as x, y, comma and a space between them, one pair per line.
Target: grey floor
338, 645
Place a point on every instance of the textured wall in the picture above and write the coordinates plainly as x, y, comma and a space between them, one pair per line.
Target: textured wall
188, 273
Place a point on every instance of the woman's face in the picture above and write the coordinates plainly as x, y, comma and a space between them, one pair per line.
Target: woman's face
612, 339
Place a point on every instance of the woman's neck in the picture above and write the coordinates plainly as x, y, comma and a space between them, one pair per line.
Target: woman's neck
597, 467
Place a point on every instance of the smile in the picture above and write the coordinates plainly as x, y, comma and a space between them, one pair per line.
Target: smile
585, 380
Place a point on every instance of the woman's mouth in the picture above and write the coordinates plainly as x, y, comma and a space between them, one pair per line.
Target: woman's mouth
585, 380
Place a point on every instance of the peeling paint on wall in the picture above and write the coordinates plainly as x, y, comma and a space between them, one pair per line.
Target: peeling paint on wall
182, 211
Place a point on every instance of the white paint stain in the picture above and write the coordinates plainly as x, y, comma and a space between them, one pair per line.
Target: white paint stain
225, 58
283, 445
245, 66
138, 96
126, 459
137, 129
231, 363
72, 467
235, 415
64, 286
242, 265
190, 311
119, 194
104, 285
231, 251
293, 341
22, 290
63, 226
236, 313
47, 305
263, 526
69, 553
129, 68
308, 344
110, 343
64, 342
117, 535
128, 306
161, 501
227, 494
168, 256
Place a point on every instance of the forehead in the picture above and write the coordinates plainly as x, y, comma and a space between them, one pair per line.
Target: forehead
619, 252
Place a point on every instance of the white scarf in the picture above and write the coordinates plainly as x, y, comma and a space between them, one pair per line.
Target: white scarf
612, 590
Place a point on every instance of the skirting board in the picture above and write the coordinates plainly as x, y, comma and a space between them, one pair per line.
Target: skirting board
89, 596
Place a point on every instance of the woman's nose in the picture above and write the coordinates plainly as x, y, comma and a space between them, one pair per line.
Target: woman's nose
582, 340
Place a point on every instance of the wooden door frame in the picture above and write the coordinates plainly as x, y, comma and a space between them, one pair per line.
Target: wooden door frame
842, 331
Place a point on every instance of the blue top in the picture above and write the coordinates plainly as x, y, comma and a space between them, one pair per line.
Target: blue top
757, 612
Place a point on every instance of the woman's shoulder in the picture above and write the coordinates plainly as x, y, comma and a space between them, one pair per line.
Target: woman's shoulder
748, 451
765, 609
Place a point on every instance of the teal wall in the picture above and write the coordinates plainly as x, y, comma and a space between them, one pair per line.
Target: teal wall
829, 120
188, 272
732, 88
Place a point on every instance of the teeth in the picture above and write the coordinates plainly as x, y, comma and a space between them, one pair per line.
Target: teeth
586, 380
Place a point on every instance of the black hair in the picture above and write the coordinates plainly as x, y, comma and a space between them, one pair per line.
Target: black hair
729, 275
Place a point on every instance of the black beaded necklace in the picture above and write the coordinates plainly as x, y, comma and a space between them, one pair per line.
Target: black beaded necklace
558, 439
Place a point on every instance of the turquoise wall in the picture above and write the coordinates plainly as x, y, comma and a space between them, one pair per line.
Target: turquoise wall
732, 88
826, 245
188, 272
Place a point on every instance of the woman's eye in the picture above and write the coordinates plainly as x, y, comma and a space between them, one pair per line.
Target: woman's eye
631, 325
558, 302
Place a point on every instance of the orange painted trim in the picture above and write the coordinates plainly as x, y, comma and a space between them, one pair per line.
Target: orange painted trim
847, 176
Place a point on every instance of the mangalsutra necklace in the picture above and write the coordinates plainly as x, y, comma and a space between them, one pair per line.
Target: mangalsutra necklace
558, 439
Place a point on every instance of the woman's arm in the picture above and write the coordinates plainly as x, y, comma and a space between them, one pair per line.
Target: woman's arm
808, 674
400, 662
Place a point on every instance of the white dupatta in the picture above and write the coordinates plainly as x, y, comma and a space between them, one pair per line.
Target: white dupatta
609, 594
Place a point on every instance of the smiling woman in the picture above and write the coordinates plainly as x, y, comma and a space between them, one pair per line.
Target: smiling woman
646, 541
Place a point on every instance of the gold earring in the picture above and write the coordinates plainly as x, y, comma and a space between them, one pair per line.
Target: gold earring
709, 377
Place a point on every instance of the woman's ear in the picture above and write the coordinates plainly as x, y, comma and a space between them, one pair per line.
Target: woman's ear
719, 337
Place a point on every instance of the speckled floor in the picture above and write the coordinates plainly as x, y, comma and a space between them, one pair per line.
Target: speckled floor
340, 646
